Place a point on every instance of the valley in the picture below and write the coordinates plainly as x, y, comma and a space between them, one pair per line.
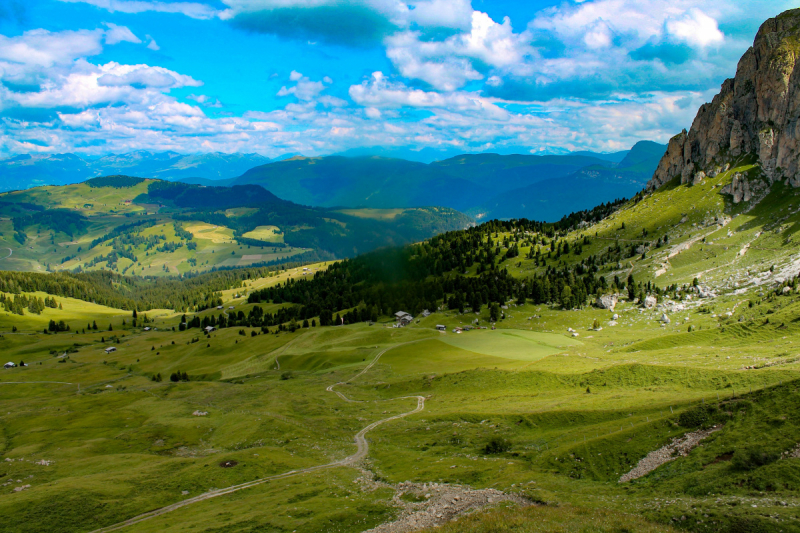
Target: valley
314, 346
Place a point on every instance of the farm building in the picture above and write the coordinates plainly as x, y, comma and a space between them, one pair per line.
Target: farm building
111, 349
441, 327
209, 329
403, 318
9, 365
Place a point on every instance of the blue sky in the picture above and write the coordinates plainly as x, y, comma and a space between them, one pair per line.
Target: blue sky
322, 76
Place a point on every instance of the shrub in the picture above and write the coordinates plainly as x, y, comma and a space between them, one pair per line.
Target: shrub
697, 417
286, 375
497, 445
752, 458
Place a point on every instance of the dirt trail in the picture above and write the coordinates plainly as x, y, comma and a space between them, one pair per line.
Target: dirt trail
361, 452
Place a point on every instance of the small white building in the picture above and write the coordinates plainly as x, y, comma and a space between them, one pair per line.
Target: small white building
9, 365
441, 327
147, 329
209, 329
110, 349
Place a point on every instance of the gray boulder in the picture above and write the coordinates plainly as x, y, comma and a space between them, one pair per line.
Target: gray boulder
607, 301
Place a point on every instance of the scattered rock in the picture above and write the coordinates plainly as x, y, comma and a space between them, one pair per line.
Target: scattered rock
664, 319
650, 302
200, 413
679, 447
439, 504
607, 301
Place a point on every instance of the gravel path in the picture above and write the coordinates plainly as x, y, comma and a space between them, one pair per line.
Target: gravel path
679, 447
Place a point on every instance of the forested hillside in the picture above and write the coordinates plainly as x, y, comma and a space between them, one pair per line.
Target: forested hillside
486, 186
135, 226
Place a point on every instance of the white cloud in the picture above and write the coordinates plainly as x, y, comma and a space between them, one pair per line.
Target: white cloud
190, 9
379, 92
42, 48
449, 64
152, 45
695, 28
304, 89
204, 100
117, 34
635, 21
116, 75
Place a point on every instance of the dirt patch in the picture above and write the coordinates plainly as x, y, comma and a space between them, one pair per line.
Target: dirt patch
722, 458
228, 464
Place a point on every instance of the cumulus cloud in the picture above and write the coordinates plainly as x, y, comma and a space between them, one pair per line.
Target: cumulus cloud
449, 64
379, 92
695, 28
42, 48
116, 75
304, 88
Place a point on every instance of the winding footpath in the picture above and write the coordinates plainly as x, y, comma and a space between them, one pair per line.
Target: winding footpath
361, 452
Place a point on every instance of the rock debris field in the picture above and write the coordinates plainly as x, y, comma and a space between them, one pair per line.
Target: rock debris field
679, 447
439, 503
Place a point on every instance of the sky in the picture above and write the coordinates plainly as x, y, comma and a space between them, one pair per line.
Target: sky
317, 77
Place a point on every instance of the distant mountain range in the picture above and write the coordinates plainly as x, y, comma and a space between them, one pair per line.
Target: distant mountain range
25, 171
541, 187
481, 185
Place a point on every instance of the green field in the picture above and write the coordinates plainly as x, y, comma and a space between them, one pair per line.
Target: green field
517, 344
266, 234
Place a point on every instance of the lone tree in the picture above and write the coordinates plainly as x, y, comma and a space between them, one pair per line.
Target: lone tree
494, 312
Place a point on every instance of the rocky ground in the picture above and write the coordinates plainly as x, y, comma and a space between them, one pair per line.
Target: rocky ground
677, 448
425, 505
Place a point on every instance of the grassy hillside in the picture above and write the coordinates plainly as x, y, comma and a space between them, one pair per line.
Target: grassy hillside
143, 227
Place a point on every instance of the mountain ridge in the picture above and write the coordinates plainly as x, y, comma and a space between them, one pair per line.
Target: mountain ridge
754, 115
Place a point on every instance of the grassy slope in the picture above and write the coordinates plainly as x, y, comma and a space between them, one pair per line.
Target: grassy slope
578, 415
106, 208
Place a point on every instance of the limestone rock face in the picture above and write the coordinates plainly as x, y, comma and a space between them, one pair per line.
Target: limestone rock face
739, 188
757, 112
650, 302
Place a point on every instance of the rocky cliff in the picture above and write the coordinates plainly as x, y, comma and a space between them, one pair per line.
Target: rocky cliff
755, 115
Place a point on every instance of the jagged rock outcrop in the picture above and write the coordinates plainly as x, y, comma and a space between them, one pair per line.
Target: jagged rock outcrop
739, 188
756, 113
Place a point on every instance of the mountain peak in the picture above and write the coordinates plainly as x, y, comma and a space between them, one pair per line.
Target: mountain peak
753, 115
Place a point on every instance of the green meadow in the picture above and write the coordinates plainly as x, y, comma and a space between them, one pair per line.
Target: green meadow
554, 405
99, 441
